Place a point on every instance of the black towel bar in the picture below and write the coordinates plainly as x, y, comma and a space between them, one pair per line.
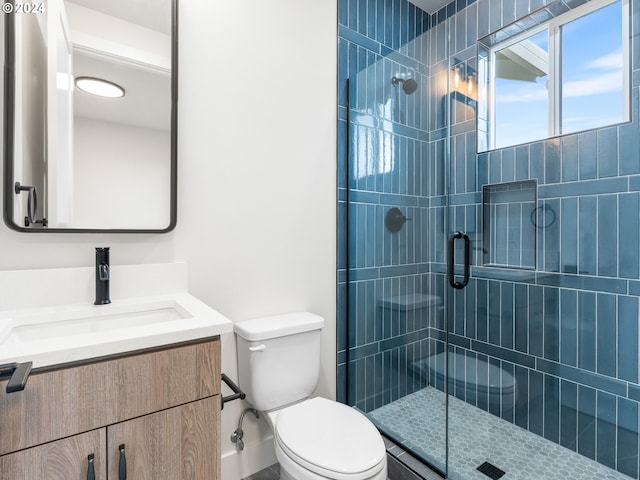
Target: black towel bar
237, 393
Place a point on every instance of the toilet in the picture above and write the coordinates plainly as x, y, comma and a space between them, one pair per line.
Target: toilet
496, 384
314, 438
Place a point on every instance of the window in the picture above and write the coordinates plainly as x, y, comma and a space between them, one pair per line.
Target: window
552, 74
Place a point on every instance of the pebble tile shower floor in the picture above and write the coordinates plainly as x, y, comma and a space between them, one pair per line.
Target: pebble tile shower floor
476, 436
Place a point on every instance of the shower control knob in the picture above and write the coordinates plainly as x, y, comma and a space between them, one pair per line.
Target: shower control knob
394, 220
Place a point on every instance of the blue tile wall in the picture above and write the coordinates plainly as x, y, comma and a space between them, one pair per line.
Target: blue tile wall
564, 322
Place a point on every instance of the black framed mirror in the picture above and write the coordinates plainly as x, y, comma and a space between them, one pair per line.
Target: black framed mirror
90, 116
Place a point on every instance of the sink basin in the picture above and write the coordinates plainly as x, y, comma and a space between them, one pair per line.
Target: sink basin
62, 334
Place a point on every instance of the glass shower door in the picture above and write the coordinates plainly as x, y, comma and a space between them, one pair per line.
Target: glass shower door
542, 341
392, 301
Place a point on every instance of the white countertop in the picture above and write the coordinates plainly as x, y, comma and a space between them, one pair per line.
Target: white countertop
55, 335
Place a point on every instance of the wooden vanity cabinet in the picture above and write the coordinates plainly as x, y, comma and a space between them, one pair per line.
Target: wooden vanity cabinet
66, 459
157, 411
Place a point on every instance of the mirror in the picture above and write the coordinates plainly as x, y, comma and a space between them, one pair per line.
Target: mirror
566, 65
74, 160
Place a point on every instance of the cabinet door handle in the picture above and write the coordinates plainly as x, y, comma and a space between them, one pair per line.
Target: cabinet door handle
91, 474
122, 467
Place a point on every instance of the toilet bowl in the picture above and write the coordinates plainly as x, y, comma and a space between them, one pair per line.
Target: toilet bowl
496, 384
314, 438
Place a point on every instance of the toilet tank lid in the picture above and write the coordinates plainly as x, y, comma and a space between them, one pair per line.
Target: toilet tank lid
275, 326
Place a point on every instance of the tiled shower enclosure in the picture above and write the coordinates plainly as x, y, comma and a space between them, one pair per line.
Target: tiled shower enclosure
545, 336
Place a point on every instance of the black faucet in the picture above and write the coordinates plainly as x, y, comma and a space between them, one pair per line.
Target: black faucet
102, 276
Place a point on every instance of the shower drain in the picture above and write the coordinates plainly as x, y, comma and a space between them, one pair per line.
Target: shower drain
491, 471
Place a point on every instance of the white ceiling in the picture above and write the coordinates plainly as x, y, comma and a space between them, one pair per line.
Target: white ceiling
147, 101
152, 14
430, 6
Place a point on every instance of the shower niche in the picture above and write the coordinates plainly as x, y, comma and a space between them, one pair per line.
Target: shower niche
509, 221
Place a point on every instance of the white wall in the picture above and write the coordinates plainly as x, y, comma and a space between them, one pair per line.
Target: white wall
130, 170
257, 179
258, 228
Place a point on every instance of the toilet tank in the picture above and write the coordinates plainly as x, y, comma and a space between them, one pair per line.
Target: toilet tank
279, 358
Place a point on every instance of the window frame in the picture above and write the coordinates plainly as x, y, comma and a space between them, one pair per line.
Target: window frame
554, 26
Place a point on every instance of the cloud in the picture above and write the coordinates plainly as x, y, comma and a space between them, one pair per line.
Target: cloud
611, 61
607, 82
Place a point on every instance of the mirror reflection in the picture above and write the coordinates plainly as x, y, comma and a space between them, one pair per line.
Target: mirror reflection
91, 116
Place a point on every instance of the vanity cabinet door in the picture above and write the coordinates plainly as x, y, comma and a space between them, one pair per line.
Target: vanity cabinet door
66, 459
180, 443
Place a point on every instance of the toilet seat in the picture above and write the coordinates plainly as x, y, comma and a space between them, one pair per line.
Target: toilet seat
330, 439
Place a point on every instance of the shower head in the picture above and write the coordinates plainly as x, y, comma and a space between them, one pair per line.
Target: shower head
409, 85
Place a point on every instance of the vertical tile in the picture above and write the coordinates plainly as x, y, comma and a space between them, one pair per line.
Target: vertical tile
606, 430
568, 327
536, 403
353, 14
494, 379
521, 317
460, 31
483, 170
514, 230
627, 437
508, 165
494, 312
388, 23
495, 166
471, 162
607, 235
536, 161
551, 323
362, 17
341, 323
471, 377
536, 321
628, 338
522, 162
551, 221
569, 158
587, 154
483, 375
552, 164
495, 15
587, 330
482, 327
522, 398
552, 408
395, 37
569, 235
483, 18
460, 163
629, 145
506, 314
568, 414
508, 401
380, 21
606, 335
472, 25
628, 232
470, 309
587, 206
608, 152
587, 422
509, 11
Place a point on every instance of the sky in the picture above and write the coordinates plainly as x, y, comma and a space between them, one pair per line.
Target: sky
592, 83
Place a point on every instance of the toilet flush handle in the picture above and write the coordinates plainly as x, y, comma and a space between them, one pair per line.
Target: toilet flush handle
258, 348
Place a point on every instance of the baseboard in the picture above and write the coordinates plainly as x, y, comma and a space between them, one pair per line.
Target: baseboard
256, 456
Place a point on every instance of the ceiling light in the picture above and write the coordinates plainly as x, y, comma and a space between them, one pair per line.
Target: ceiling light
97, 86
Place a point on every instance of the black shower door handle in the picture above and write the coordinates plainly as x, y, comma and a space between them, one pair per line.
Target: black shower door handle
450, 264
